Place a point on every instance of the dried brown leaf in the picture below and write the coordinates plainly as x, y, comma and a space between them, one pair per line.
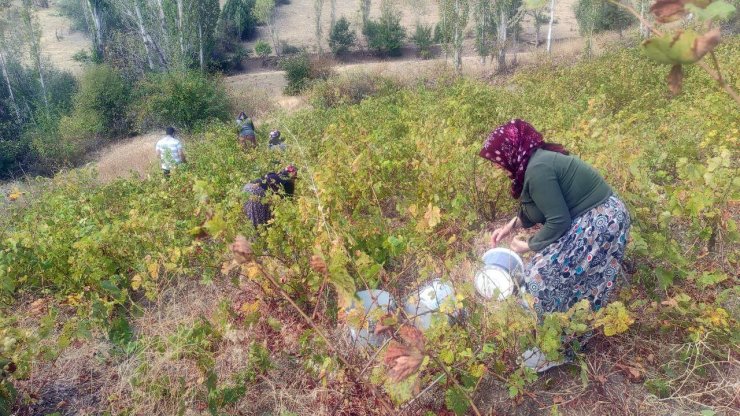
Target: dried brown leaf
318, 265
707, 42
242, 250
666, 11
675, 80
412, 337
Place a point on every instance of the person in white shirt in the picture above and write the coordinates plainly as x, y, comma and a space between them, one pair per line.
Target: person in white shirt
169, 151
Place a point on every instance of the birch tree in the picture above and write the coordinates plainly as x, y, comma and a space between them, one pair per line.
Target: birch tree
318, 6
94, 12
454, 15
4, 69
549, 26
33, 38
484, 28
264, 10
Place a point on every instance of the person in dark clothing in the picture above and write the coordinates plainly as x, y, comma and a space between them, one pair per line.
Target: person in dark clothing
276, 142
282, 183
579, 249
247, 135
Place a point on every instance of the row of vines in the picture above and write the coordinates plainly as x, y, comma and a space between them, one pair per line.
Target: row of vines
390, 194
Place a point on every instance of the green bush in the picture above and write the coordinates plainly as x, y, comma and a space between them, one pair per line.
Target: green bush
350, 88
297, 71
100, 107
341, 38
596, 16
238, 18
183, 99
386, 35
423, 40
262, 48
300, 70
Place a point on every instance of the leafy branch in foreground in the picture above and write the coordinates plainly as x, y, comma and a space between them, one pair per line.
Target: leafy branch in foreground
686, 46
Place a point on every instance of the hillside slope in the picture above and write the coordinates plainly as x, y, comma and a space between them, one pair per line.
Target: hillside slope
122, 297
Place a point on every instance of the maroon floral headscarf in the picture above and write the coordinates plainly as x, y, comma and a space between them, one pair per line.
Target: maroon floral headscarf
511, 145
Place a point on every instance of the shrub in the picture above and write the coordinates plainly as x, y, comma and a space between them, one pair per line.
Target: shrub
300, 70
262, 48
288, 49
423, 40
341, 38
99, 107
594, 16
386, 35
183, 99
238, 18
348, 89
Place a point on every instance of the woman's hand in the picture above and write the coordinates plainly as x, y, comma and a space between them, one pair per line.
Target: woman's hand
519, 245
501, 233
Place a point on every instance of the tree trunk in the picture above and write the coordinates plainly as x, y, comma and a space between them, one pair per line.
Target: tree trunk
35, 50
94, 9
502, 33
201, 56
180, 30
457, 39
549, 26
537, 26
10, 87
144, 36
318, 6
333, 15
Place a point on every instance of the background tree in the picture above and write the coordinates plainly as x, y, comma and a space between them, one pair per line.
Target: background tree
264, 10
507, 14
454, 16
341, 37
318, 7
484, 28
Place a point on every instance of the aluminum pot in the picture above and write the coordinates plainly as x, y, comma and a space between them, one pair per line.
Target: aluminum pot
370, 304
424, 304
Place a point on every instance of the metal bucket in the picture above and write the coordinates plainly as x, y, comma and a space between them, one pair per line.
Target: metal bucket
371, 303
498, 277
424, 304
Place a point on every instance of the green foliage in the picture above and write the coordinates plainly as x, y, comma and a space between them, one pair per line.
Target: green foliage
423, 40
262, 48
301, 70
393, 183
238, 18
386, 35
349, 88
100, 107
596, 16
183, 99
341, 38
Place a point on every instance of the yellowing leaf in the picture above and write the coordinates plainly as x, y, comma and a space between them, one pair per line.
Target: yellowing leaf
153, 269
615, 319
433, 216
136, 282
14, 194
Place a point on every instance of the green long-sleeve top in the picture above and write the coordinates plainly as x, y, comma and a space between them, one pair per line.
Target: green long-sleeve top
556, 189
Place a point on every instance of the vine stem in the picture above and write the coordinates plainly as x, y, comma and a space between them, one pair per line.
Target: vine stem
715, 75
387, 406
454, 380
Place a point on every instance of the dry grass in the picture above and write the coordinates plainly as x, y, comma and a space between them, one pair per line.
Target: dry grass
135, 156
60, 43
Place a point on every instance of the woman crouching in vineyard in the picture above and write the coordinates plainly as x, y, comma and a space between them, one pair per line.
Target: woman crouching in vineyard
579, 249
282, 183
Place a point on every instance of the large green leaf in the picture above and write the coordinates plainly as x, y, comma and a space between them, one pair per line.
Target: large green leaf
715, 10
672, 49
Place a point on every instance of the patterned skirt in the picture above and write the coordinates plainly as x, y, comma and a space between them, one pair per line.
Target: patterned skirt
583, 264
257, 211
